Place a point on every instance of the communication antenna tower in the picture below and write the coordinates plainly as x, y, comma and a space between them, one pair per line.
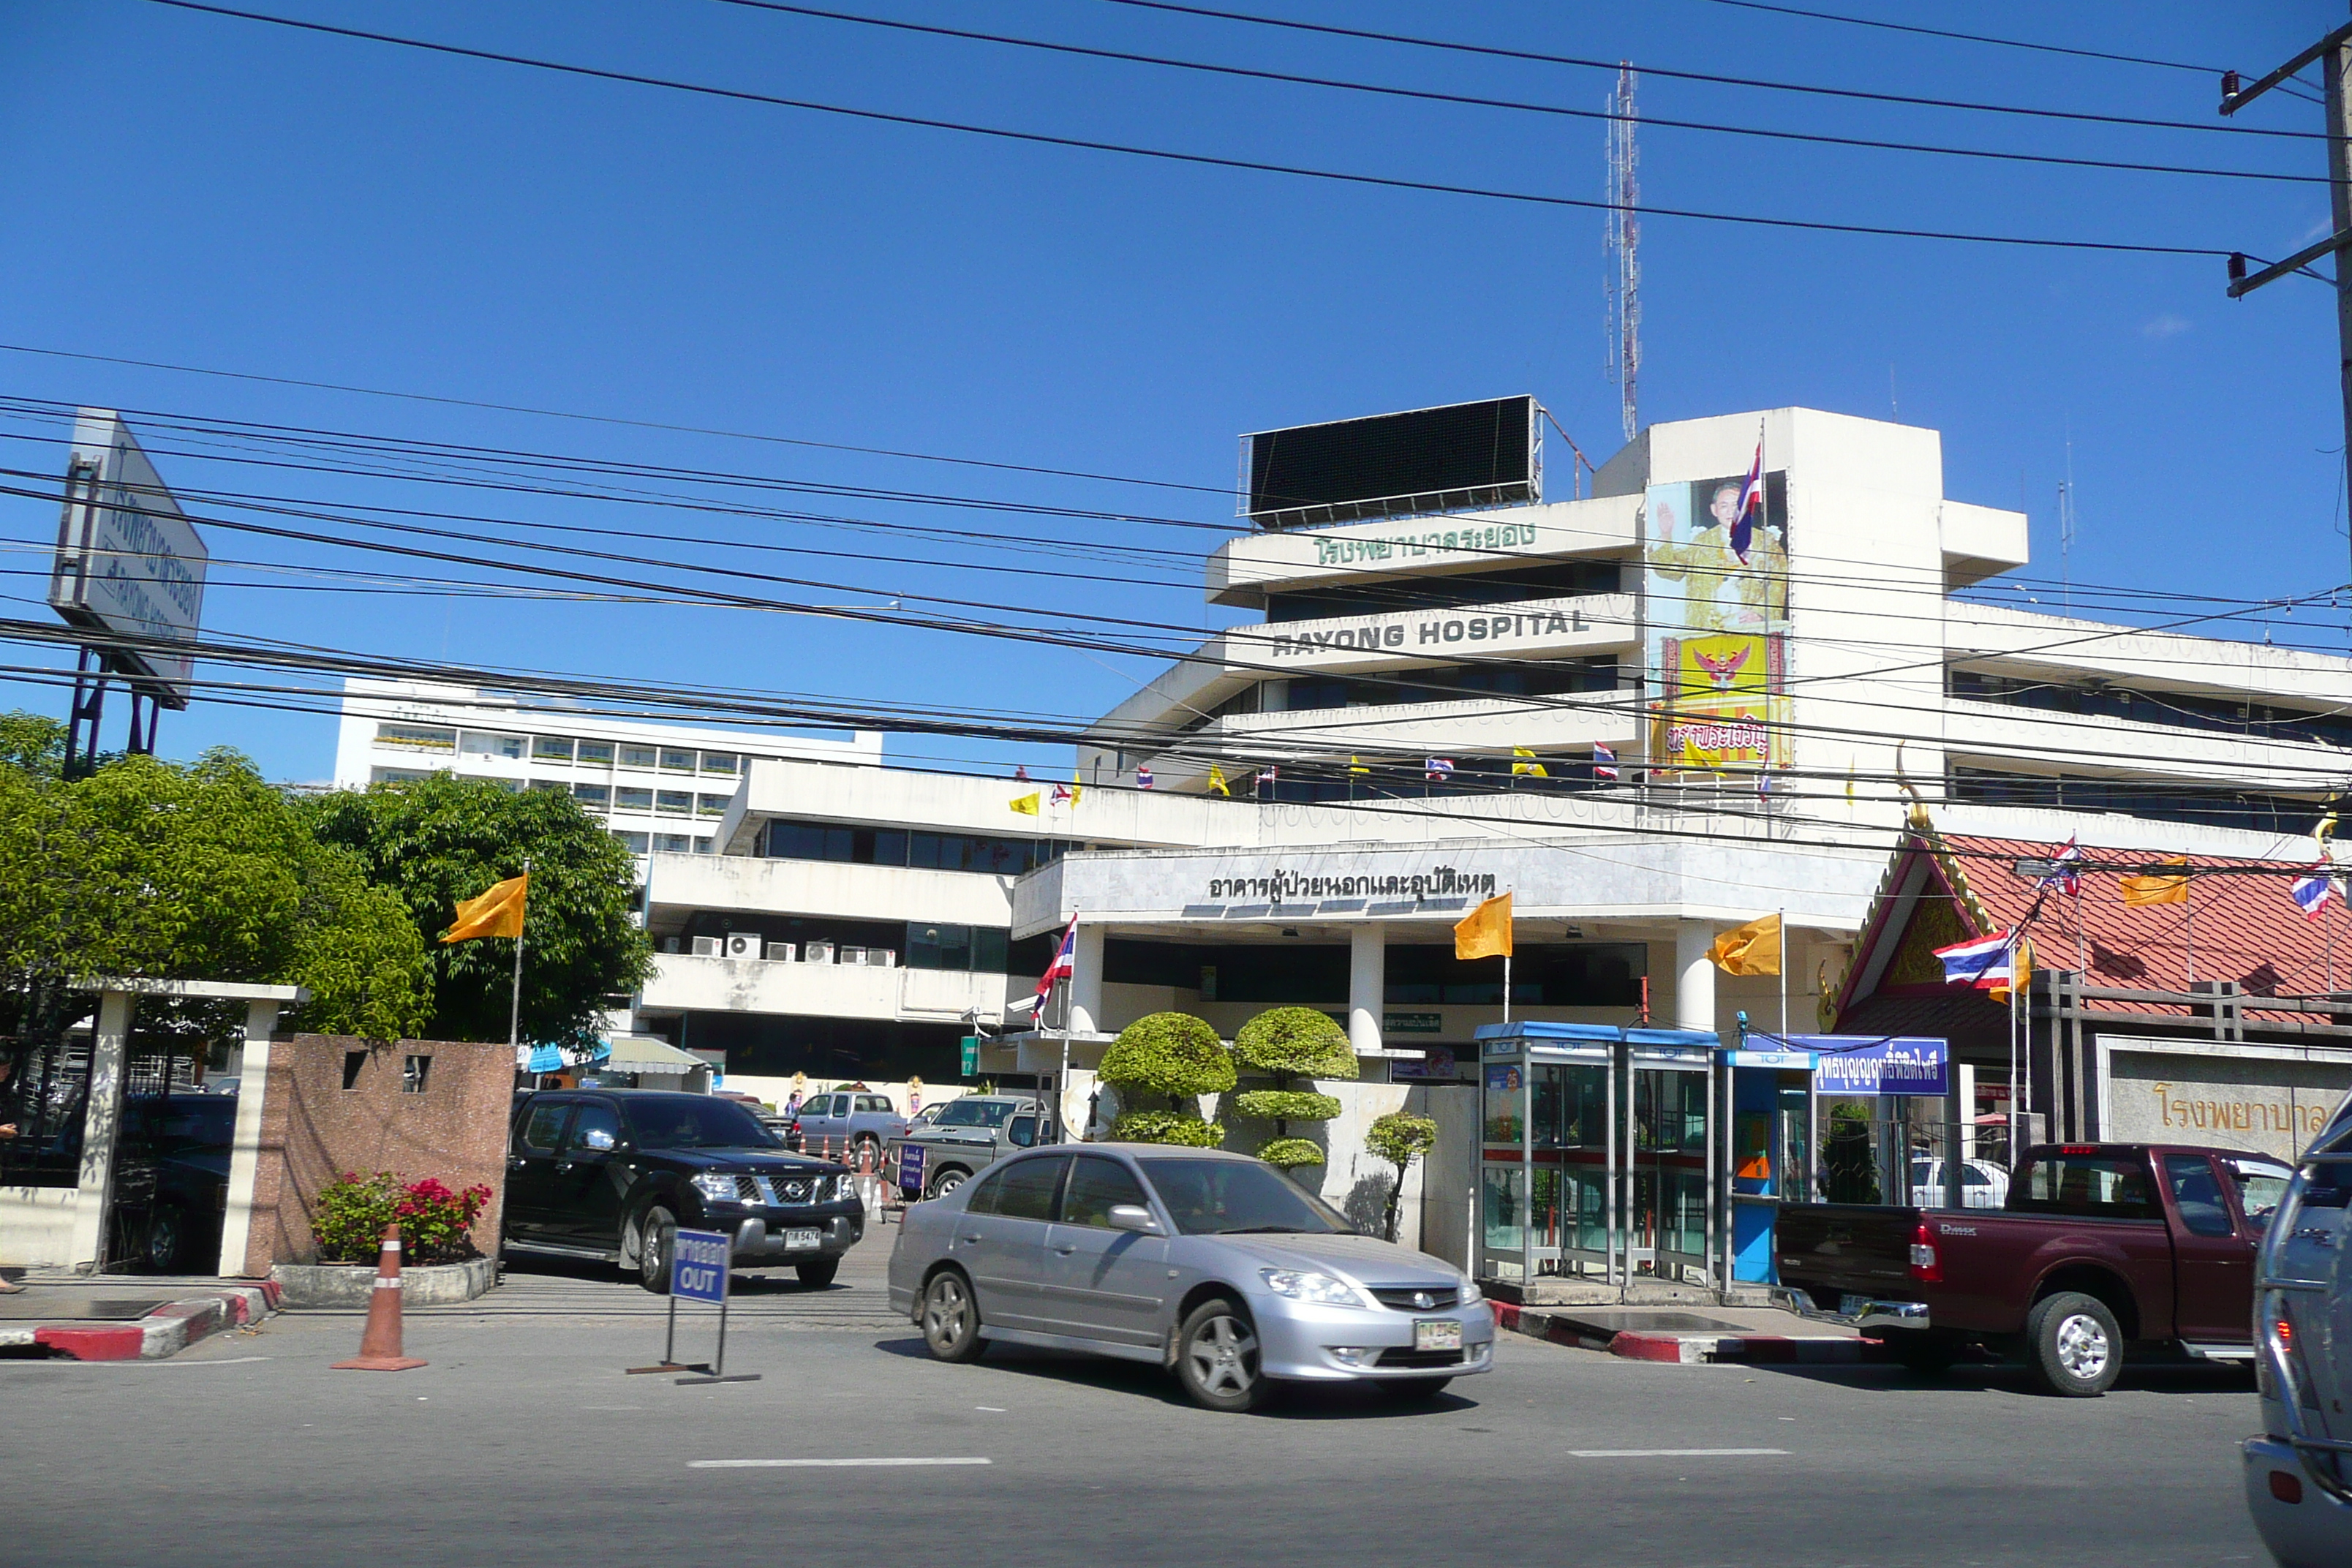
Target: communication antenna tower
1624, 244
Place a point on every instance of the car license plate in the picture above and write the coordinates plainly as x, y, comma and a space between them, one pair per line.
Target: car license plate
795, 1240
1436, 1334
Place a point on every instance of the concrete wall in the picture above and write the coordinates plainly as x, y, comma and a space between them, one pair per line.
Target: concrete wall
37, 1226
313, 1129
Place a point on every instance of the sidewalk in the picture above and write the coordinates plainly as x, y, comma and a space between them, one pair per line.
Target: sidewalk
1694, 1333
124, 1317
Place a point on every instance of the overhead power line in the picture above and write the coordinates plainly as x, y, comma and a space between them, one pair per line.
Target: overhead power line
1514, 105
1205, 159
1539, 57
1969, 38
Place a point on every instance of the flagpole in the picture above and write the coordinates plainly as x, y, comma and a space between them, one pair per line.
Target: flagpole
514, 1011
1783, 918
2189, 923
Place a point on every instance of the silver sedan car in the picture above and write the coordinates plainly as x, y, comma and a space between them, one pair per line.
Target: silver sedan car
1212, 1264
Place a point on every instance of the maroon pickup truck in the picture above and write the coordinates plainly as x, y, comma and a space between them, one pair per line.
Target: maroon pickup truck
2099, 1245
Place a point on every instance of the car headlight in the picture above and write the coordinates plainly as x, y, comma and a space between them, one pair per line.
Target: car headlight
1471, 1294
844, 1187
718, 1188
1321, 1288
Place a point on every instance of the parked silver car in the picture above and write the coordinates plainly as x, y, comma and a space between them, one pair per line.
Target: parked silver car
1214, 1265
2299, 1471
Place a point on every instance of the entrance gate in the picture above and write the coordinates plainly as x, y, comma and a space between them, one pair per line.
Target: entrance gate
1597, 1152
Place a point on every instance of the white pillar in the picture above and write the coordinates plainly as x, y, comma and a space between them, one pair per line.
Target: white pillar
245, 1142
101, 1119
1694, 975
1368, 972
1086, 980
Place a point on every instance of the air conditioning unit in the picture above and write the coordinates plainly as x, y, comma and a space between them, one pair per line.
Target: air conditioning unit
782, 952
742, 944
854, 955
882, 957
706, 947
817, 953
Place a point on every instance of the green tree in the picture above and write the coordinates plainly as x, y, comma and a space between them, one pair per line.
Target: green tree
200, 872
1175, 1055
32, 743
437, 840
1400, 1138
1286, 1044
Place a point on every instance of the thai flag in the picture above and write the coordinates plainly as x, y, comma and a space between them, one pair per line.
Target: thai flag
1751, 505
2066, 881
1985, 963
2311, 892
1064, 966
1021, 774
1265, 777
1143, 776
1438, 768
1604, 761
1062, 793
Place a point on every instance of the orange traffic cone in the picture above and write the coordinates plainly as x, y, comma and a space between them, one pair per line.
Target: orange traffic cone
380, 1344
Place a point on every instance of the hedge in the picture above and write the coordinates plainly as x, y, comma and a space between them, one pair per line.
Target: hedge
1172, 1054
1286, 1105
1295, 1041
1166, 1126
1289, 1153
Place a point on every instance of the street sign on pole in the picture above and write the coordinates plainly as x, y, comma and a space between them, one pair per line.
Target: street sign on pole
910, 1169
971, 1055
699, 1271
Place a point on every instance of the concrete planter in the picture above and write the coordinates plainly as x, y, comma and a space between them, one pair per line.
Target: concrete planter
353, 1284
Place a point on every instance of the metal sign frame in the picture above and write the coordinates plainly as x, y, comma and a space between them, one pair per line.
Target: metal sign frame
700, 1269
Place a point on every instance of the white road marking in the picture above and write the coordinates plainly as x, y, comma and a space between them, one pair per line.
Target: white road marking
992, 1409
823, 1464
224, 1361
1671, 1453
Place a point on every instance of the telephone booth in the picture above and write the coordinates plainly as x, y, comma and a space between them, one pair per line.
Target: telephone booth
1598, 1152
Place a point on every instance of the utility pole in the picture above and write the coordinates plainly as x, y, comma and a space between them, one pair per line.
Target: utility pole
2333, 56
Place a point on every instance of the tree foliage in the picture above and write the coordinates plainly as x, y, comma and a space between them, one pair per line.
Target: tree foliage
438, 840
1286, 1105
1166, 1126
1285, 1042
1290, 1154
202, 872
1174, 1054
1400, 1138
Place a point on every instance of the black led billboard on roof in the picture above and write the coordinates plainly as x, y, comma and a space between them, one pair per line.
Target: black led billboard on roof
1394, 465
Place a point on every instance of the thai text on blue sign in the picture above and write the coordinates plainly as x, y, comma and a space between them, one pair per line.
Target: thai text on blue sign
1878, 1064
911, 1167
697, 1266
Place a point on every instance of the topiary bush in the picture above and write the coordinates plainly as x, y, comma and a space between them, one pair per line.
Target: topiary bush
1400, 1138
1166, 1126
1171, 1054
1290, 1154
1286, 1105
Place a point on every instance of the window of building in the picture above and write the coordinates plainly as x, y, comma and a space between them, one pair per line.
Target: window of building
416, 737
551, 748
1445, 683
513, 786
930, 944
673, 802
676, 760
2176, 709
639, 756
1561, 580
786, 840
597, 751
553, 787
487, 743
633, 800
674, 843
635, 843
704, 845
712, 805
2155, 802
595, 797
720, 762
397, 775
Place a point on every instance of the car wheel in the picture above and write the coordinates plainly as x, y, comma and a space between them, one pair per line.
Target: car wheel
1412, 1390
1217, 1358
950, 1317
165, 1231
948, 1181
1922, 1350
656, 1237
2073, 1345
818, 1275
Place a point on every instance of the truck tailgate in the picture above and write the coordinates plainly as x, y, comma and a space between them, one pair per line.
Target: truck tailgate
1839, 1249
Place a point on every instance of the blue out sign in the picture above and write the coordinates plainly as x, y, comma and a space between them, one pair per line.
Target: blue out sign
697, 1266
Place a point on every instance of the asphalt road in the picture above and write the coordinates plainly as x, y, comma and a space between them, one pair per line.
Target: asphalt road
524, 1443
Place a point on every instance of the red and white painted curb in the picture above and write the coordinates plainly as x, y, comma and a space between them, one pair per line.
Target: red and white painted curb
1694, 1349
167, 1331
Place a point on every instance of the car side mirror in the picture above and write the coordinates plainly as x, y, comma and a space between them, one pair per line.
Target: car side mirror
1134, 1218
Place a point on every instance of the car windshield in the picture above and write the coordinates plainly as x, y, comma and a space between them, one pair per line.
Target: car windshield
974, 1113
1228, 1197
692, 1122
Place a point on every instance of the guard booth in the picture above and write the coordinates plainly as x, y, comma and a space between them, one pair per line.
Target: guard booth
1775, 1128
1597, 1155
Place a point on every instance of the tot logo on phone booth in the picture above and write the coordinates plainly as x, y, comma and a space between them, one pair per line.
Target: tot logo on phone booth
697, 1267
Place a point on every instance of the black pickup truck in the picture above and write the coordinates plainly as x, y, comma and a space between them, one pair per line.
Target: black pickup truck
2098, 1245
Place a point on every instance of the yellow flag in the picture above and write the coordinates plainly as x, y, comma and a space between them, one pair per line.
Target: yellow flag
498, 912
1356, 765
1076, 789
1026, 805
1217, 782
1532, 769
2022, 958
2157, 889
1753, 949
1484, 931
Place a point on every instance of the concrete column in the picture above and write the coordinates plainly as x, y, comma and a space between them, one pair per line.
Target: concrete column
245, 1145
1086, 980
1694, 975
1368, 979
102, 1120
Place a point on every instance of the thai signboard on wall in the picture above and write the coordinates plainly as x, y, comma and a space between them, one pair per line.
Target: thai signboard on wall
2248, 1099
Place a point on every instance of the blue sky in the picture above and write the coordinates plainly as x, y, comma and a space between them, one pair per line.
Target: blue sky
212, 192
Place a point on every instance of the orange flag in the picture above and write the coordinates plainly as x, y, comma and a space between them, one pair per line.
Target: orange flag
2156, 890
498, 912
1484, 931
